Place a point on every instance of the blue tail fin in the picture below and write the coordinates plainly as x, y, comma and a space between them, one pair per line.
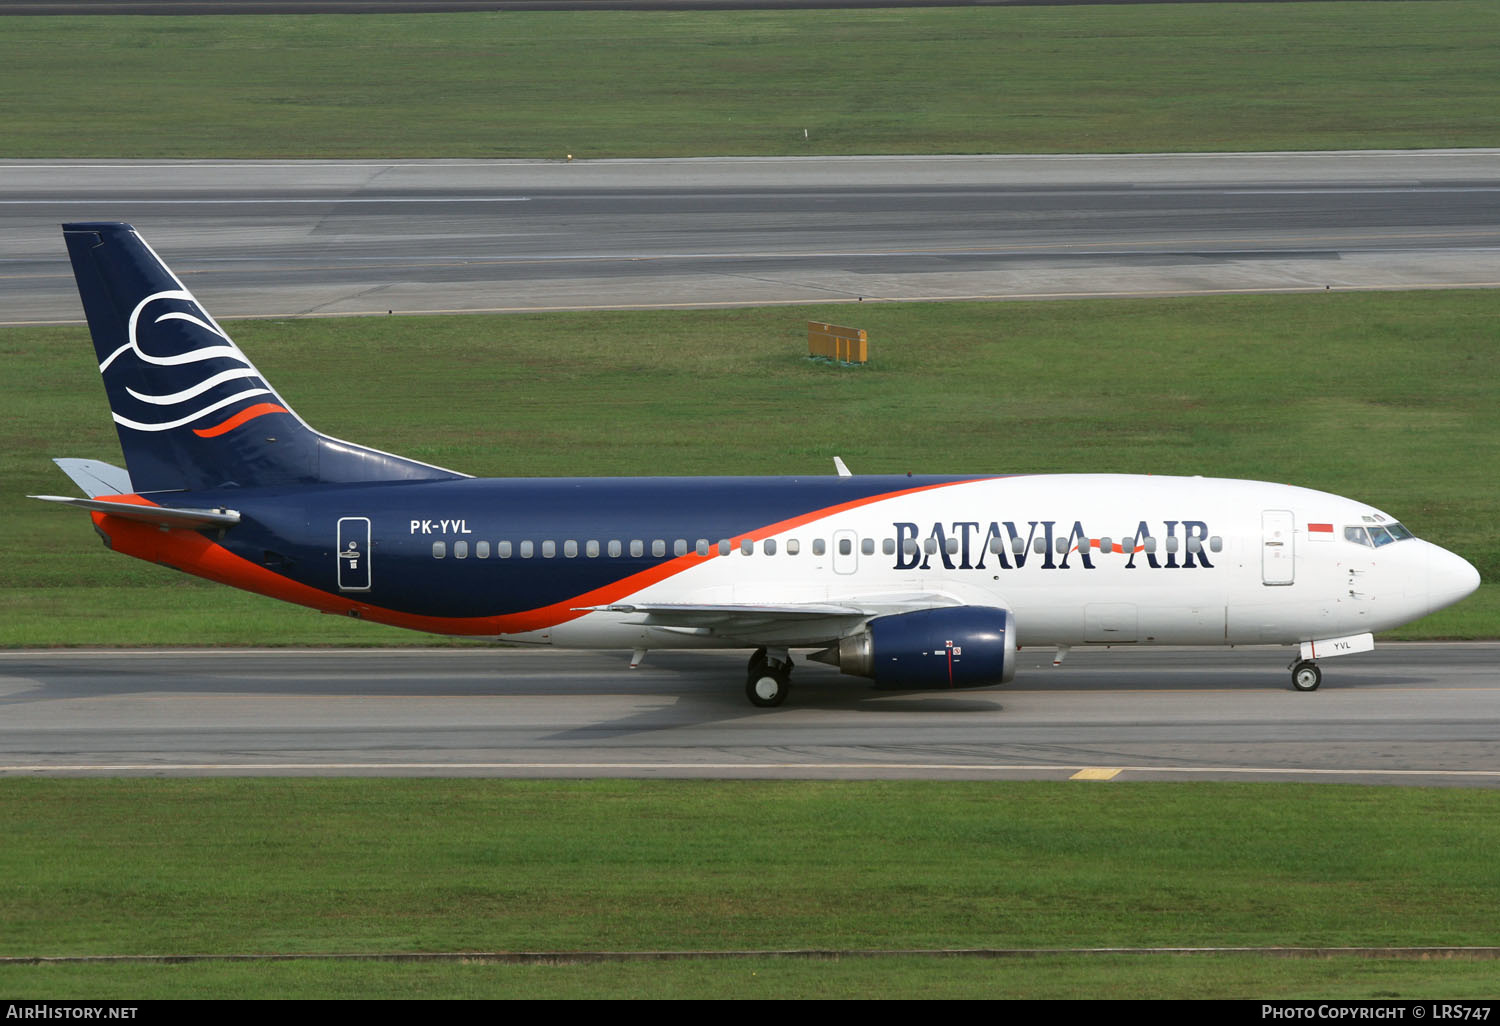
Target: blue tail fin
191, 411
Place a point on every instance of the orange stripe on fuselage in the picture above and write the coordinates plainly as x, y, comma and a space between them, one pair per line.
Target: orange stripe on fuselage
191, 552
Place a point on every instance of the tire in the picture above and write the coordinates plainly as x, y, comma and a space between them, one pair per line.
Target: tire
767, 688
1306, 676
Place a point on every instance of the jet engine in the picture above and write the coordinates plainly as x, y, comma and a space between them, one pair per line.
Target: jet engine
950, 647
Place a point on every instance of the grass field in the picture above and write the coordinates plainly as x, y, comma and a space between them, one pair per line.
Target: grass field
1397, 402
1198, 977
1170, 77
227, 866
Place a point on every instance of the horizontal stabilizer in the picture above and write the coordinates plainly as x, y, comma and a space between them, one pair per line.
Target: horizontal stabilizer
167, 516
96, 477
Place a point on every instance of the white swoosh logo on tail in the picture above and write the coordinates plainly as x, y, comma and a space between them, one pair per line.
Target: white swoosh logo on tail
227, 351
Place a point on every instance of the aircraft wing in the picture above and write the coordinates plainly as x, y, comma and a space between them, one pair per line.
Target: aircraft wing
800, 623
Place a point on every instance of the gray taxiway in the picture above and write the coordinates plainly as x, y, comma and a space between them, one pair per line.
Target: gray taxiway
1414, 714
359, 237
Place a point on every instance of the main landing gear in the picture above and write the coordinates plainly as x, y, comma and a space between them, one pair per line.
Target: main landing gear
768, 677
1306, 676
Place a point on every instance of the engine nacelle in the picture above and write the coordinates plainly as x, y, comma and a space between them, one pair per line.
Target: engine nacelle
950, 647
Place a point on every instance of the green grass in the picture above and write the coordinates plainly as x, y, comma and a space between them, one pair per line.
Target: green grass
1392, 398
1195, 77
1258, 977
286, 866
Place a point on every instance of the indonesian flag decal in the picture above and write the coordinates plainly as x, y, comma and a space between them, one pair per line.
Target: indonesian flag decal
1320, 532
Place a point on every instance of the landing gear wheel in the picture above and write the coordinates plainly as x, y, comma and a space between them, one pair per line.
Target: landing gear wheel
767, 680
767, 688
1306, 676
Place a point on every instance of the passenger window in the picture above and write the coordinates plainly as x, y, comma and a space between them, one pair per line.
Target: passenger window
1039, 546
591, 549
482, 549
549, 549
1150, 543
615, 548
1105, 545
1061, 545
1216, 544
888, 546
793, 546
658, 547
723, 546
460, 550
867, 546
769, 546
527, 550
846, 547
747, 547
637, 547
909, 546
929, 545
819, 546
503, 550
1172, 543
439, 550
570, 549
679, 547
1018, 546
951, 544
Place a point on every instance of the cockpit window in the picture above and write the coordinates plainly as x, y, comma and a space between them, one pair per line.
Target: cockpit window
1377, 535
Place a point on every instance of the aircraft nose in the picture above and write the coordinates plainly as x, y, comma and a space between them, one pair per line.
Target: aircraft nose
1450, 577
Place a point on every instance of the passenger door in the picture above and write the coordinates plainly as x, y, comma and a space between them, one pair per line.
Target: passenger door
1278, 546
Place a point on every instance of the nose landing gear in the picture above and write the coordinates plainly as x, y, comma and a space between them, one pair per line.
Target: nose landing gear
1306, 676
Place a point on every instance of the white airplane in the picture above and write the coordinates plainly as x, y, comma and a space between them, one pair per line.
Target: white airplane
913, 582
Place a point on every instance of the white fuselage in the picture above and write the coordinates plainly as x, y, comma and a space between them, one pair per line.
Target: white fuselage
1104, 559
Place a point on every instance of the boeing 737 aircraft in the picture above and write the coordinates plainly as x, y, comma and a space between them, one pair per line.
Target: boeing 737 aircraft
913, 582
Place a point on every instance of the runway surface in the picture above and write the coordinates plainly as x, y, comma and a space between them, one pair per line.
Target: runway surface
1404, 714
184, 7
316, 237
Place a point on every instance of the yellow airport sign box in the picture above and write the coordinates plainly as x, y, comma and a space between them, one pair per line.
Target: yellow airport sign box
834, 342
